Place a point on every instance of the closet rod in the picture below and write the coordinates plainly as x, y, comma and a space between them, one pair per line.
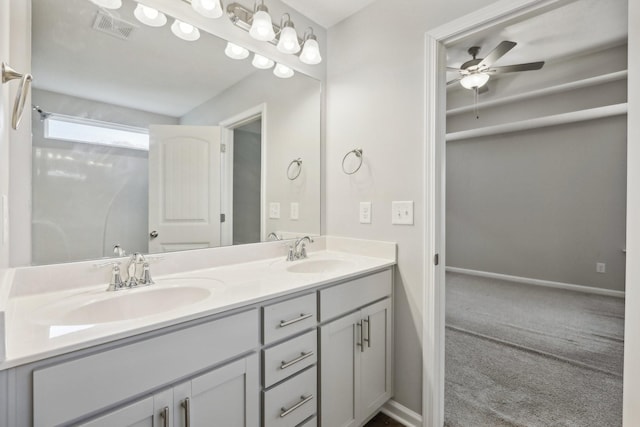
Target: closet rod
565, 87
541, 122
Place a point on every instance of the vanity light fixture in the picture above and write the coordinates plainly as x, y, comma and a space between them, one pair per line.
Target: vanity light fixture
310, 50
234, 51
207, 8
258, 22
185, 31
288, 38
283, 71
262, 62
149, 16
261, 25
108, 4
474, 80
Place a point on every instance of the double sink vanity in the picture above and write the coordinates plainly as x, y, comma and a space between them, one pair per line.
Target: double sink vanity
236, 336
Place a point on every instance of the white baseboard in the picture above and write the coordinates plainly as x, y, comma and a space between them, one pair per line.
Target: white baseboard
538, 282
401, 414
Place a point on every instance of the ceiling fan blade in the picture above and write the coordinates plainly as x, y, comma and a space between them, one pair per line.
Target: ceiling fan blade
497, 53
452, 82
530, 66
453, 69
483, 89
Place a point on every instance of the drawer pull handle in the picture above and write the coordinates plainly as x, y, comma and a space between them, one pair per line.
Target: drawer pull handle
164, 414
300, 358
186, 405
302, 317
284, 411
360, 342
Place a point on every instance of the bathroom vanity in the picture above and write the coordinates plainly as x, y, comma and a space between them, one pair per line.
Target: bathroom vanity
261, 343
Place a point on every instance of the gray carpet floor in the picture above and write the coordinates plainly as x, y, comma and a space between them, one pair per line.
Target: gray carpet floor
521, 355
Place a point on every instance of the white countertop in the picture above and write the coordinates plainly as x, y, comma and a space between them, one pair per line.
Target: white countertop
32, 331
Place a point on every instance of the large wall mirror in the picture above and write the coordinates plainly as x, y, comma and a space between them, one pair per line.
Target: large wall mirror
153, 143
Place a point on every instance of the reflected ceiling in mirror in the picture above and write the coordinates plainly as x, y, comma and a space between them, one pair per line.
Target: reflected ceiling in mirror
104, 69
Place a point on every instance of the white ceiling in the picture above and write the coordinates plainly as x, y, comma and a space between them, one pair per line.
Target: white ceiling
580, 26
327, 12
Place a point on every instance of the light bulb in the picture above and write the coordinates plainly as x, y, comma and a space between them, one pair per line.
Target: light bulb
149, 16
473, 81
207, 8
108, 4
261, 62
262, 27
283, 71
234, 51
288, 42
185, 31
311, 52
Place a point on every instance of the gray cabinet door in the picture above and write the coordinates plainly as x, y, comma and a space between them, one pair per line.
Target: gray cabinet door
227, 396
139, 414
339, 367
375, 372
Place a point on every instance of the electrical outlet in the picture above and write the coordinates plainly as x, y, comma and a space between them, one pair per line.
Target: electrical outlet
274, 210
402, 213
365, 212
601, 267
294, 211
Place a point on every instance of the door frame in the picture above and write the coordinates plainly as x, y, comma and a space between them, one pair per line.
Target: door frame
226, 165
434, 170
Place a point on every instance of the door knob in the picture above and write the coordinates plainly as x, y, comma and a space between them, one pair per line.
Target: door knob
153, 234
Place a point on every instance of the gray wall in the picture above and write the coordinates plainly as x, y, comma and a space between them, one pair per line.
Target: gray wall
546, 203
86, 198
246, 186
375, 100
292, 130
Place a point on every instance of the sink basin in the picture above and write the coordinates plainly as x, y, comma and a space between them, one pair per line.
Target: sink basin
319, 266
122, 305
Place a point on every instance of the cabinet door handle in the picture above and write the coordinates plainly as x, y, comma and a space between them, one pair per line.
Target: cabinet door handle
368, 338
164, 414
300, 358
300, 318
360, 342
186, 405
284, 411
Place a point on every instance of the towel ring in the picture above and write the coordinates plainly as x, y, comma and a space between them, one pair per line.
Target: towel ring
293, 175
358, 154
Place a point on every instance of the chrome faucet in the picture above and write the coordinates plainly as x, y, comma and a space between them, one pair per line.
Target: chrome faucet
274, 236
134, 277
298, 250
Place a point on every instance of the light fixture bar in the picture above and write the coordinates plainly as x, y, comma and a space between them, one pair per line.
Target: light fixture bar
241, 17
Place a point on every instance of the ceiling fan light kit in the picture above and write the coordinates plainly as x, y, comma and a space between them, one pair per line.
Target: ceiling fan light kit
476, 72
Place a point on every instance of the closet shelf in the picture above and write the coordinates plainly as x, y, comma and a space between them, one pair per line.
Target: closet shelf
565, 87
541, 122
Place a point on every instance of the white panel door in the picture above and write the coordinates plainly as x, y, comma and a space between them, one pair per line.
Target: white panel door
184, 187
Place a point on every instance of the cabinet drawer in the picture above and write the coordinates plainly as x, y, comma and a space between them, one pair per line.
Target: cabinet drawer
289, 317
313, 422
76, 388
341, 299
289, 357
293, 401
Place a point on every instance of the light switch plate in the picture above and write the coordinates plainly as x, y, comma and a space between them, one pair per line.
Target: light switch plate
294, 211
274, 210
365, 212
402, 213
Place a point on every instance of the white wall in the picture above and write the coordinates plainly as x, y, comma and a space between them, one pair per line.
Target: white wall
375, 101
546, 203
87, 198
631, 416
292, 130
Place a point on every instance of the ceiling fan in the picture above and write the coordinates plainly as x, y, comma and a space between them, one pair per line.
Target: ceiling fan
476, 72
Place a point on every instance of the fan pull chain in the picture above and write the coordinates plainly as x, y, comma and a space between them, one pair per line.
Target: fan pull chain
476, 109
